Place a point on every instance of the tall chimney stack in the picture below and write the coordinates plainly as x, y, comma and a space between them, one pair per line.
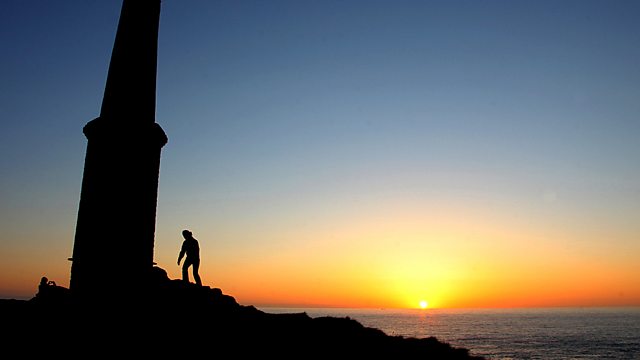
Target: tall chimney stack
115, 227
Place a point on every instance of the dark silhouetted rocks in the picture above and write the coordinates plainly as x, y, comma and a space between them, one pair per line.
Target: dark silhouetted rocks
173, 317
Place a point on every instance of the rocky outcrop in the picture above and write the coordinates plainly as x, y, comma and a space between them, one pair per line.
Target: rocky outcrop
174, 317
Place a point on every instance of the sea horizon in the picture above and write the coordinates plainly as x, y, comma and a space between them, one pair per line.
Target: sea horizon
558, 307
611, 332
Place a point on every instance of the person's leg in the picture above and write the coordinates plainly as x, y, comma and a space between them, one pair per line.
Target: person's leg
185, 271
196, 275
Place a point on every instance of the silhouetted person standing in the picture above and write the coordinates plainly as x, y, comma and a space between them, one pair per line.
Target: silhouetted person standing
191, 248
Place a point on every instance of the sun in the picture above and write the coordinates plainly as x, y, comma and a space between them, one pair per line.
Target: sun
423, 304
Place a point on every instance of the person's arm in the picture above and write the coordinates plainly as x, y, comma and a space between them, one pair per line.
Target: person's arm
182, 251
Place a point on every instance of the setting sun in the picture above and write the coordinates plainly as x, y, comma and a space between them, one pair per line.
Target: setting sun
423, 304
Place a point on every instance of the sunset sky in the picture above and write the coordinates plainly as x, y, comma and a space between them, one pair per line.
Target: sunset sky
348, 153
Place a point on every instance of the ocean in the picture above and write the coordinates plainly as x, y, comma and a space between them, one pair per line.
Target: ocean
501, 334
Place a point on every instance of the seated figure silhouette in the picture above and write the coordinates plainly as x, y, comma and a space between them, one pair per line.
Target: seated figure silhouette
45, 285
190, 248
48, 290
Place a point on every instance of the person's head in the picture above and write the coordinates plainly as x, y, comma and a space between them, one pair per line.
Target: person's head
186, 233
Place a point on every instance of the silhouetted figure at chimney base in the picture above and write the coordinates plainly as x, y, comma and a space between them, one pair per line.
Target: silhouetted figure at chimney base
191, 248
45, 284
50, 292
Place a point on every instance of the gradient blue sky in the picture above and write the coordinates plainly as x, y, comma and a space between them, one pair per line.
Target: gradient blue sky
289, 119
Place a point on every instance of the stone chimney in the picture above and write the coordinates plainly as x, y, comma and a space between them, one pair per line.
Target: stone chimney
115, 228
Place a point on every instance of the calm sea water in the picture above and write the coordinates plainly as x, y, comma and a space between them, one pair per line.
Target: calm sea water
575, 333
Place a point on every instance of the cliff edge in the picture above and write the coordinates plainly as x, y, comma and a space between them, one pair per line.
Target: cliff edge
184, 319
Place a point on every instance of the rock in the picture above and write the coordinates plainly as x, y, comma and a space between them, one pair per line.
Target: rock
174, 317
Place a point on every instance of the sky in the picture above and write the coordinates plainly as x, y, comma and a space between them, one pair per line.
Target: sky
375, 153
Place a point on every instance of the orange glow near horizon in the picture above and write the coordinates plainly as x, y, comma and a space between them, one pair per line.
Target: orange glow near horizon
399, 264
372, 263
